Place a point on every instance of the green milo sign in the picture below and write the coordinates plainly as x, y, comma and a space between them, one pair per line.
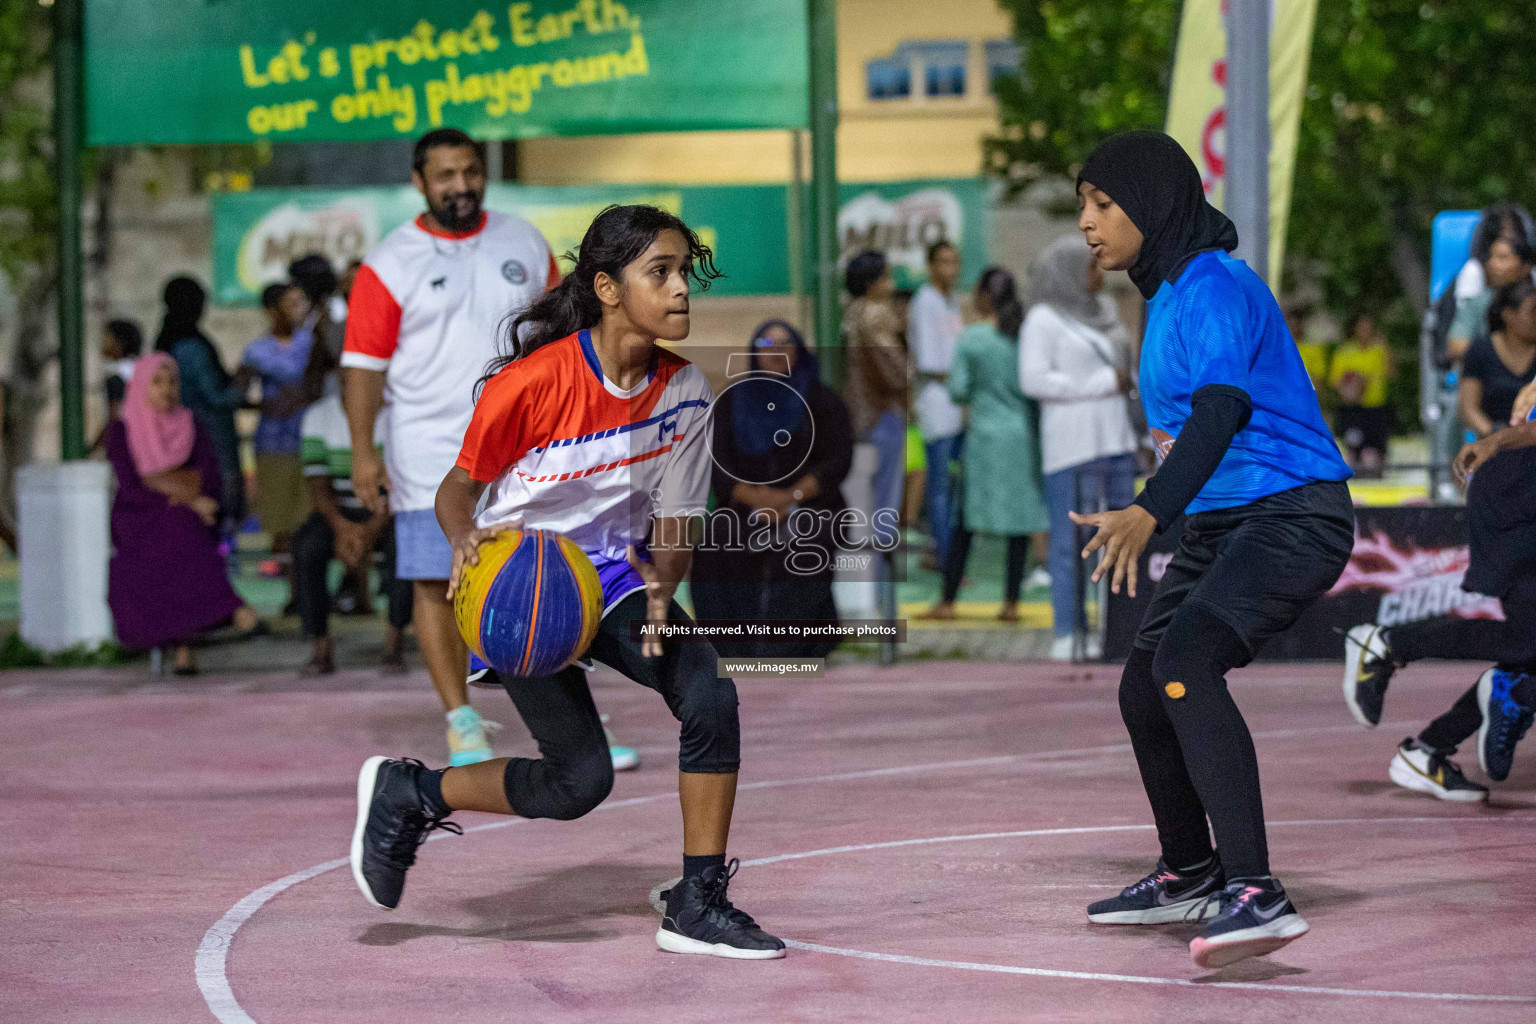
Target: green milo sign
256, 234
204, 71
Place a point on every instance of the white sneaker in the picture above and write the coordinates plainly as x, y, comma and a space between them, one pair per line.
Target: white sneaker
1422, 770
1061, 648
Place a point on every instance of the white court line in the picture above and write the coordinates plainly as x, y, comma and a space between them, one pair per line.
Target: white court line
212, 961
1135, 979
213, 954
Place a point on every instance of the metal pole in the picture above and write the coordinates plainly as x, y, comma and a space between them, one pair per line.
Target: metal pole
795, 211
1247, 186
823, 90
68, 118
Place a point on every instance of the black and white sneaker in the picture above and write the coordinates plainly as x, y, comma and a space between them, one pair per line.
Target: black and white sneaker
1425, 770
698, 918
1253, 917
1368, 668
393, 819
1163, 896
484, 677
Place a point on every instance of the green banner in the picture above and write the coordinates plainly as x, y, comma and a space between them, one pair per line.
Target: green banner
200, 71
256, 234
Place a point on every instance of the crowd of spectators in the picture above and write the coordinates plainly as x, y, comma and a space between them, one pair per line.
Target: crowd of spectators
181, 498
1001, 426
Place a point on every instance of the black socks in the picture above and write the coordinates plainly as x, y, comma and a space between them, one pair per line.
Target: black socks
695, 866
430, 784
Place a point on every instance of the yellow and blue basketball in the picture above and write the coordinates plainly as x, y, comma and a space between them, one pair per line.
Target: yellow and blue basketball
531, 606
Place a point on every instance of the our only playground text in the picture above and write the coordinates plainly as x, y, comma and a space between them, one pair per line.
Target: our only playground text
502, 89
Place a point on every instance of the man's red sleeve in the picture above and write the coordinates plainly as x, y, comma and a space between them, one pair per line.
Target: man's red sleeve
373, 323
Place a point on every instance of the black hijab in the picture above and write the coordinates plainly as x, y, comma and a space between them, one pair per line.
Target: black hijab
1155, 182
185, 300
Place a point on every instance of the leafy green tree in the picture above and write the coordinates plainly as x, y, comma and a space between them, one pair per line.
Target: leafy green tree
27, 216
1412, 107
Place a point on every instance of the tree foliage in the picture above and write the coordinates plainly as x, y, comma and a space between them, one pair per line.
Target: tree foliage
1412, 107
28, 215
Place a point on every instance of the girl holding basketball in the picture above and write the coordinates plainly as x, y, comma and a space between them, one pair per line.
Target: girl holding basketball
588, 429
1243, 448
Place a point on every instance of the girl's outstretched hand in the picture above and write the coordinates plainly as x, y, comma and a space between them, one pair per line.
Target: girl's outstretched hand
1123, 534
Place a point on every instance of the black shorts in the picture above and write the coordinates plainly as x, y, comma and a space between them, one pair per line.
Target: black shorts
1501, 523
1257, 566
1364, 427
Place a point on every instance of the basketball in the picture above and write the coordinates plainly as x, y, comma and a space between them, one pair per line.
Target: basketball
531, 605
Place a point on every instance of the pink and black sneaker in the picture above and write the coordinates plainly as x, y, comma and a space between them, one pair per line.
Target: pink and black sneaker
1163, 897
1253, 917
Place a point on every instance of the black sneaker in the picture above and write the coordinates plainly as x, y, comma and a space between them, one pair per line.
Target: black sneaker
1253, 917
700, 919
1425, 770
1505, 721
1161, 897
393, 819
1368, 668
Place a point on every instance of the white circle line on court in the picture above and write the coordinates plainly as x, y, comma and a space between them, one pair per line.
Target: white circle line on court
1043, 972
212, 960
1135, 979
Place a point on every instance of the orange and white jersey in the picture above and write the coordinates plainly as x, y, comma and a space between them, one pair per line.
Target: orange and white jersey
563, 448
426, 310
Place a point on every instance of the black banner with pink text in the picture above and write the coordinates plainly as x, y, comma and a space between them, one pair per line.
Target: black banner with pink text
1407, 565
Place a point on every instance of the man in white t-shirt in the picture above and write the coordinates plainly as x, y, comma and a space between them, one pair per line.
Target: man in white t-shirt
933, 326
423, 319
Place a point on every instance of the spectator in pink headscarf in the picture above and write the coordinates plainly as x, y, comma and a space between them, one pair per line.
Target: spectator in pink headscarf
167, 580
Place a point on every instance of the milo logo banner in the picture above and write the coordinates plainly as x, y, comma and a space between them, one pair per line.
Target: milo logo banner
257, 234
902, 219
199, 71
1407, 565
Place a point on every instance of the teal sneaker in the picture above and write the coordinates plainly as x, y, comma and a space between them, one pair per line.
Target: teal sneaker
625, 759
467, 739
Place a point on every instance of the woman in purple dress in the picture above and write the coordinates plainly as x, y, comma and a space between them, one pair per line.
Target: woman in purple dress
167, 580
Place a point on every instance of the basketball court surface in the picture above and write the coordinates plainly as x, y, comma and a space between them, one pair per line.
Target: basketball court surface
925, 837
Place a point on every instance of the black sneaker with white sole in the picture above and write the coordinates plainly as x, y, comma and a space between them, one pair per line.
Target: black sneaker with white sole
699, 918
1163, 896
1368, 668
1253, 917
393, 819
1425, 770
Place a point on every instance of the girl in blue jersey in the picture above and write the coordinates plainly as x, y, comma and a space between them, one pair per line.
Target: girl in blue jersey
1244, 450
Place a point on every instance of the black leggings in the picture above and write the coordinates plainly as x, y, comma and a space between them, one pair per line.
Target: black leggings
1193, 748
574, 772
1510, 644
314, 545
960, 552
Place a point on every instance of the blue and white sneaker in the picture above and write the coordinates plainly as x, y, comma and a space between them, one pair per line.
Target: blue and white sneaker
1254, 917
467, 739
1505, 720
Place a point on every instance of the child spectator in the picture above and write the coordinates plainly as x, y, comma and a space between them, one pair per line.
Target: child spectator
1359, 373
121, 344
339, 527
